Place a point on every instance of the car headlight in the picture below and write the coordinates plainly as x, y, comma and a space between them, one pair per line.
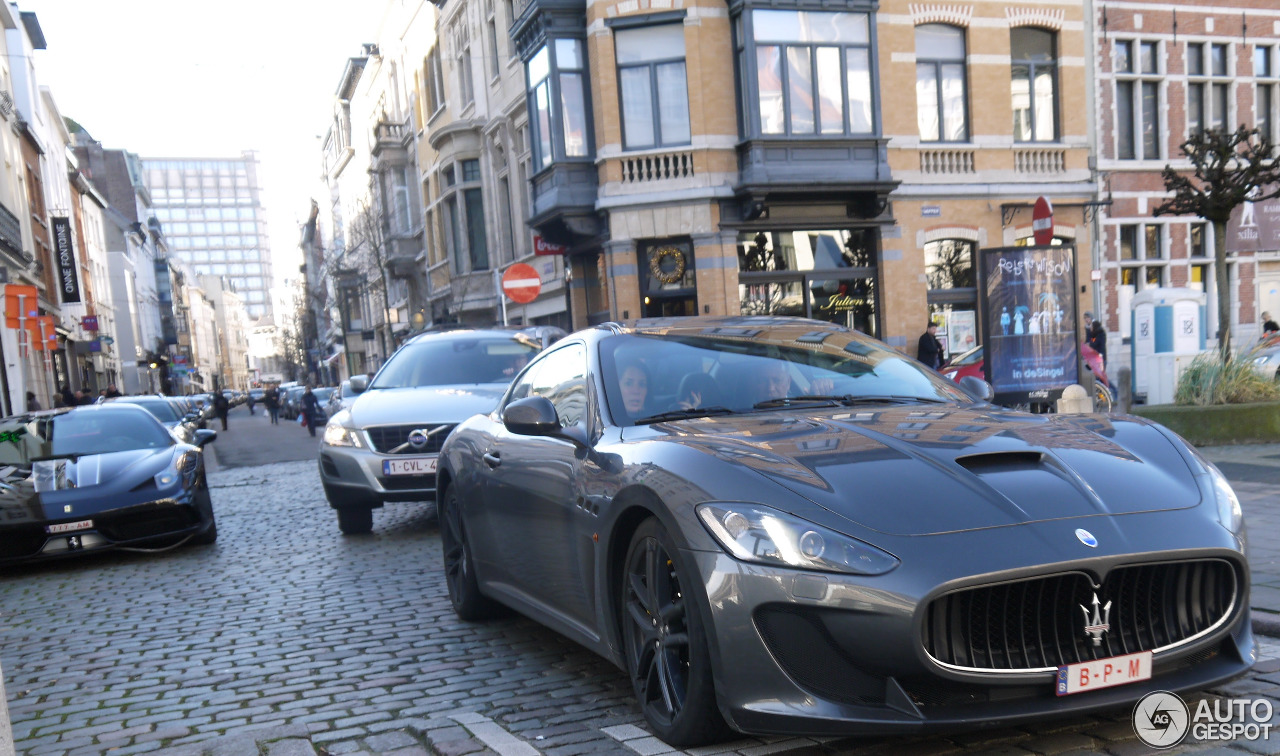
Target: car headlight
1229, 512
183, 464
759, 534
335, 434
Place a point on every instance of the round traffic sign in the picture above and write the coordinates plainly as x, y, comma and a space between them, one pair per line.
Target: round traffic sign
1042, 221
521, 283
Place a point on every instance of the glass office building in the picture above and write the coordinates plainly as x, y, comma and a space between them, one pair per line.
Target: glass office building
211, 212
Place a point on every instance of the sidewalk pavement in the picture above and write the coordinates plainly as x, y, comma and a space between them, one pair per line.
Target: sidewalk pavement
1254, 472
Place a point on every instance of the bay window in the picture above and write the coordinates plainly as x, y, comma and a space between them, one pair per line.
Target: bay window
811, 72
557, 86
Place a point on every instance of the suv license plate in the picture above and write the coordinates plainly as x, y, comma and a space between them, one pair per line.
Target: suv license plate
410, 466
1103, 673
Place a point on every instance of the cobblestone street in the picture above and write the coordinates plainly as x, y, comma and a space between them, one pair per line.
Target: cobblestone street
289, 638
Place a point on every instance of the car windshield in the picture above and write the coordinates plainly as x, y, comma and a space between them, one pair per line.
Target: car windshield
971, 357
322, 394
160, 408
455, 360
722, 371
77, 433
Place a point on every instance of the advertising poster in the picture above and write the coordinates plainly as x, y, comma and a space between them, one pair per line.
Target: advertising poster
1029, 307
962, 331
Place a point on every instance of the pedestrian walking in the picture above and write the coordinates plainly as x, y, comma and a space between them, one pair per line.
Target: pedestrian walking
32, 404
272, 403
250, 402
1096, 337
221, 407
112, 391
930, 349
309, 406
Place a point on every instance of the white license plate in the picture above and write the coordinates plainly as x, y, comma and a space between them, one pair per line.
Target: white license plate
410, 466
69, 527
1104, 673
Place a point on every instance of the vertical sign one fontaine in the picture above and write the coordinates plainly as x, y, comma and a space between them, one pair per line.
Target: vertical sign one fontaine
68, 273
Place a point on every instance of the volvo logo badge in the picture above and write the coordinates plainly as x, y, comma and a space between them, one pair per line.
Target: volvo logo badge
418, 438
1085, 537
1099, 623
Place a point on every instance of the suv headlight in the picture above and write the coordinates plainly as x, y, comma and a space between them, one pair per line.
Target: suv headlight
762, 535
335, 434
1229, 512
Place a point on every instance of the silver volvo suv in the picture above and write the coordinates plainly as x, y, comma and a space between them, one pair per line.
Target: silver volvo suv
383, 448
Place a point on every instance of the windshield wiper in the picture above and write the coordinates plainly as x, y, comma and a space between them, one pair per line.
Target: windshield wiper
846, 400
787, 401
684, 414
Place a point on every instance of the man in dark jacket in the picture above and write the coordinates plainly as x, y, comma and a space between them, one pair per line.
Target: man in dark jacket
930, 349
221, 407
309, 405
272, 402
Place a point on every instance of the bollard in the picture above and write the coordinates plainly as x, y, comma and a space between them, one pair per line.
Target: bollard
1075, 401
1123, 396
6, 732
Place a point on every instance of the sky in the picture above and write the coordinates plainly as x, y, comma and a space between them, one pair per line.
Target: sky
183, 78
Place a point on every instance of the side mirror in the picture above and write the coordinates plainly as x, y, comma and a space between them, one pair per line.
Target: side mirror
359, 383
531, 416
977, 388
205, 436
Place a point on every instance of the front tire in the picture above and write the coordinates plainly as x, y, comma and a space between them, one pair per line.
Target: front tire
665, 643
355, 513
210, 534
459, 566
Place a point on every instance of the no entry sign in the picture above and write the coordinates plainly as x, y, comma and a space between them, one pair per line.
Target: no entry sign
521, 283
1042, 221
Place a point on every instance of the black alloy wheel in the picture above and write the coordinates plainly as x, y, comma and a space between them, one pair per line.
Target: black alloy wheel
459, 572
355, 519
665, 644
204, 502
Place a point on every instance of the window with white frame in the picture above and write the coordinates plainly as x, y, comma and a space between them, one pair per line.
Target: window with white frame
1138, 99
462, 63
463, 210
1208, 87
1034, 84
495, 67
433, 82
811, 71
1268, 81
652, 87
1143, 261
942, 111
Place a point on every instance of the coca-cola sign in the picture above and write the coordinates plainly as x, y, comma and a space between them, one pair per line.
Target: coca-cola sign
543, 247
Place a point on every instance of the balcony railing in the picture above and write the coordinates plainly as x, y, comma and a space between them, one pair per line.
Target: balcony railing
642, 169
1040, 161
946, 162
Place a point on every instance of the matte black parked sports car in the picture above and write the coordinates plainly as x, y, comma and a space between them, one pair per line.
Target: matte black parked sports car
787, 527
99, 477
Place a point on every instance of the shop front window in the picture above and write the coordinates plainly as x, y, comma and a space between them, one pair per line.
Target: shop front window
825, 275
953, 293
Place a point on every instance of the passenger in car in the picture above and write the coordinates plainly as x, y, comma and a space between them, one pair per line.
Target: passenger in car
771, 380
633, 384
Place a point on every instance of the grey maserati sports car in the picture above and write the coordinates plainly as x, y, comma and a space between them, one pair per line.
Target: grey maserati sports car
782, 526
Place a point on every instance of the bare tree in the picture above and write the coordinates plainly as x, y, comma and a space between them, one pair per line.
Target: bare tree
1228, 168
369, 240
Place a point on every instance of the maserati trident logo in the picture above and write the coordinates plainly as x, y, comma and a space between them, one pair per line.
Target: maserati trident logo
1097, 625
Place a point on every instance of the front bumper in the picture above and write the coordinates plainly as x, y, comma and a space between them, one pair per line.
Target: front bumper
358, 472
796, 652
152, 524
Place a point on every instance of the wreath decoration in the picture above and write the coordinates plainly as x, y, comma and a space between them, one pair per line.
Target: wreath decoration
660, 255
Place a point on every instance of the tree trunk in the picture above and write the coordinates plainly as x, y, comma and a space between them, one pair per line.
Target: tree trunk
1224, 289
